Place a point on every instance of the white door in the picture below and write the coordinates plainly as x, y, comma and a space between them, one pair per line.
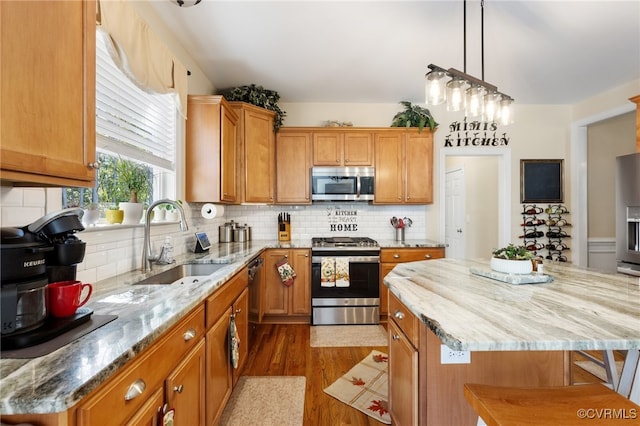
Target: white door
455, 214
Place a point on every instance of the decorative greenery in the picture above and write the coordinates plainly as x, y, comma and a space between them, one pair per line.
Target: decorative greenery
258, 96
119, 178
414, 116
512, 252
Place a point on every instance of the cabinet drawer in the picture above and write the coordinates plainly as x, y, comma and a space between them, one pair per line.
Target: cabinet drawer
218, 303
410, 255
146, 373
406, 321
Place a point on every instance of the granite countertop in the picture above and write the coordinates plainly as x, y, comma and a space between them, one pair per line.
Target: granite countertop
580, 309
414, 243
57, 381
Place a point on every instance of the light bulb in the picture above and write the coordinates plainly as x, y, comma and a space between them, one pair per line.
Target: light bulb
474, 104
491, 106
506, 111
455, 95
435, 87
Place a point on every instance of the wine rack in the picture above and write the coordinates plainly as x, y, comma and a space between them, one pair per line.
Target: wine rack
546, 230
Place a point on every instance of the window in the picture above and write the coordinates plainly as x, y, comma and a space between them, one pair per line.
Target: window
132, 127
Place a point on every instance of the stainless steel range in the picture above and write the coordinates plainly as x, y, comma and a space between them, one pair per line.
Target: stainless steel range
345, 286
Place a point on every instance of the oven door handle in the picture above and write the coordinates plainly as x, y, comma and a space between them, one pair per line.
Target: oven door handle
352, 259
358, 186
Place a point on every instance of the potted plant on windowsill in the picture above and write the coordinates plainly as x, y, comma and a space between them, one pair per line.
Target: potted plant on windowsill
512, 260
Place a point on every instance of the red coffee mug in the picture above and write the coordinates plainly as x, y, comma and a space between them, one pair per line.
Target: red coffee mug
63, 297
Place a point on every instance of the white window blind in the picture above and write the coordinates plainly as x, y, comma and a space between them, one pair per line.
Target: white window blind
129, 121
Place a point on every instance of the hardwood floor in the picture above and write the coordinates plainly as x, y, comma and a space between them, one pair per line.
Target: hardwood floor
284, 350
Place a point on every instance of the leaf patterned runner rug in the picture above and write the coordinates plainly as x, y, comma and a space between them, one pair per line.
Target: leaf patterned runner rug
364, 387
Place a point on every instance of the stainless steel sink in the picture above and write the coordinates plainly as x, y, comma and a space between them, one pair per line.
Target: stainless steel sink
191, 272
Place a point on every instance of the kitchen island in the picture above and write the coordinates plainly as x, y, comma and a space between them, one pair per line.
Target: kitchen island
517, 334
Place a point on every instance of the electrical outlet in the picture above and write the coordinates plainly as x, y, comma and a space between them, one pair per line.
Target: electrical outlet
449, 356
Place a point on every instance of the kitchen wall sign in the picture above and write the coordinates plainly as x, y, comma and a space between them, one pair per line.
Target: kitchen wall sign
475, 133
341, 220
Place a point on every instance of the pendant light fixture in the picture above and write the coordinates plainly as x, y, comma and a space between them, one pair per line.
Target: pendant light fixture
478, 98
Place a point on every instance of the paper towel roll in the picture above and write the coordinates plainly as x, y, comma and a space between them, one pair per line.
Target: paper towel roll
210, 211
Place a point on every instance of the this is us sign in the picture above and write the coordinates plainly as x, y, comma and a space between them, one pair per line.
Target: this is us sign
474, 133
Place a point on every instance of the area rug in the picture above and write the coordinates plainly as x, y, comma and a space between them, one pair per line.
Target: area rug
364, 387
598, 371
266, 401
348, 335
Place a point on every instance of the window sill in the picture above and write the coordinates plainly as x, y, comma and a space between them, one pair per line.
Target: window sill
99, 227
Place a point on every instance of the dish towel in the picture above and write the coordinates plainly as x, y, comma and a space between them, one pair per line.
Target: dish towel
342, 272
287, 274
327, 272
234, 342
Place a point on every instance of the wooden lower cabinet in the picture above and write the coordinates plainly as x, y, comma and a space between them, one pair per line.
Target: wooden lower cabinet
390, 257
130, 395
148, 415
185, 389
219, 380
282, 303
424, 391
403, 378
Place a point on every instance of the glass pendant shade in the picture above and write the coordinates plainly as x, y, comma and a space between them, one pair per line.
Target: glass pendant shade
435, 87
455, 95
491, 106
474, 102
506, 111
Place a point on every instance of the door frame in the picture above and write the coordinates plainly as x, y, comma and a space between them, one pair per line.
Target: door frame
444, 201
504, 186
580, 220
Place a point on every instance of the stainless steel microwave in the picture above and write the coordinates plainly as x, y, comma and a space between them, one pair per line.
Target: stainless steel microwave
342, 183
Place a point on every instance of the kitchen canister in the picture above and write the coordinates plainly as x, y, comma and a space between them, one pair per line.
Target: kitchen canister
225, 232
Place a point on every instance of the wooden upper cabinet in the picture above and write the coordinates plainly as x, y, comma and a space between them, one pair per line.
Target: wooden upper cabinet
47, 81
211, 152
404, 167
636, 99
293, 167
342, 148
256, 153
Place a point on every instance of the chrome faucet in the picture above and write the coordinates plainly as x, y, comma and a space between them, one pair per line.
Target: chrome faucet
147, 256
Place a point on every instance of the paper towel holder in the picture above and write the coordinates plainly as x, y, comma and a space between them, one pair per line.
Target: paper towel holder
202, 242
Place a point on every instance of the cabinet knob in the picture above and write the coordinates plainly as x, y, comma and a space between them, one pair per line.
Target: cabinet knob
427, 256
396, 256
238, 311
178, 389
395, 337
95, 165
189, 334
399, 315
136, 389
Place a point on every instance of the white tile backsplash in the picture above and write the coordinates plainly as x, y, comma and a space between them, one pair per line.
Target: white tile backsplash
115, 250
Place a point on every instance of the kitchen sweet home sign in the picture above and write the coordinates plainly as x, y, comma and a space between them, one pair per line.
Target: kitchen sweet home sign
474, 133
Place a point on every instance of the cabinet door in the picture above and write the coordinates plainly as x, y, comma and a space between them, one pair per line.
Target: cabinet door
256, 292
259, 167
389, 170
418, 167
327, 149
301, 288
275, 297
218, 368
293, 164
241, 311
185, 389
147, 415
403, 378
228, 155
358, 149
47, 80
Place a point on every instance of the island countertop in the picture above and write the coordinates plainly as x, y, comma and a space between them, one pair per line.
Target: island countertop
580, 309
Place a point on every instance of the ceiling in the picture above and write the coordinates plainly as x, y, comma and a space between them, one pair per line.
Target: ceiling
538, 52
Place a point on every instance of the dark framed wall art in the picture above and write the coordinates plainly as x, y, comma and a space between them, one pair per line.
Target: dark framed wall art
541, 181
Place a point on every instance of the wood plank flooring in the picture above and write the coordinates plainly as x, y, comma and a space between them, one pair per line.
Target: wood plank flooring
284, 350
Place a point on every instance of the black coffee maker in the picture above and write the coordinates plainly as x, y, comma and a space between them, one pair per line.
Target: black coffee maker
31, 257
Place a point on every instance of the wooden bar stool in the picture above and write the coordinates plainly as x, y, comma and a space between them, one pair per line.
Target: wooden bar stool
593, 404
